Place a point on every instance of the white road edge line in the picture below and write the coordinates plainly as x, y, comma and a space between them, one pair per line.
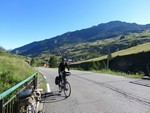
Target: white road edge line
48, 87
44, 77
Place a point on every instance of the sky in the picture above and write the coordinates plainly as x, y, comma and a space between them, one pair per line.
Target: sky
26, 21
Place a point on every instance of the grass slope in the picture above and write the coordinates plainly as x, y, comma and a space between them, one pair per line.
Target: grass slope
133, 50
13, 69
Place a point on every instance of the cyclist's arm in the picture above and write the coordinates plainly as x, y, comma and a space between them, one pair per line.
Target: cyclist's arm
67, 66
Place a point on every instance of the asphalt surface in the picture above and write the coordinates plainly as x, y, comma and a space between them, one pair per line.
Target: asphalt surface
97, 93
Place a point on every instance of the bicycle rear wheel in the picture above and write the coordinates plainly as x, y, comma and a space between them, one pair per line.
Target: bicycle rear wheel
67, 89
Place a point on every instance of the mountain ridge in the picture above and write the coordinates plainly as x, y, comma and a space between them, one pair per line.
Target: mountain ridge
100, 32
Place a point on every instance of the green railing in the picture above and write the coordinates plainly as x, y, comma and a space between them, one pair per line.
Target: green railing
8, 103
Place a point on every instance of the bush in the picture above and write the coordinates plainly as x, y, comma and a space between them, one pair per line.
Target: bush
53, 62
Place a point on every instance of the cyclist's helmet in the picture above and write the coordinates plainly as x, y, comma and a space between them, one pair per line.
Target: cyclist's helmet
63, 59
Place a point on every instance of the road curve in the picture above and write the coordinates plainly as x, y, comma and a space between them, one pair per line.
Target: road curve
96, 93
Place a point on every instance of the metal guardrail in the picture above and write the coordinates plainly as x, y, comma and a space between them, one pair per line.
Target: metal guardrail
8, 103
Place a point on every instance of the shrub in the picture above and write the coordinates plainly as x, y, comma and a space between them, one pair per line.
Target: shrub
53, 62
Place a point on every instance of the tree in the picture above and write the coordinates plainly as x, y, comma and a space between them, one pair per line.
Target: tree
134, 43
32, 62
35, 62
93, 65
53, 62
122, 37
109, 57
103, 65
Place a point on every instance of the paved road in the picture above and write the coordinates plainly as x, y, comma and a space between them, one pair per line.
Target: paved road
97, 93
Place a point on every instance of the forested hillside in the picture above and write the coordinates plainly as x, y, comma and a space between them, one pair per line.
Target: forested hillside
89, 43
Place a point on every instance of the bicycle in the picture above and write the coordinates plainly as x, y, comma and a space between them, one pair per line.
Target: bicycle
28, 101
64, 85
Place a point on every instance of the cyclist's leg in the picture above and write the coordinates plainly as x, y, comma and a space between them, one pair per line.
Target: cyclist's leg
65, 81
60, 83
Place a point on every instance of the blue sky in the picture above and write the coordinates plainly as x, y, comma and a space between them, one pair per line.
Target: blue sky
25, 21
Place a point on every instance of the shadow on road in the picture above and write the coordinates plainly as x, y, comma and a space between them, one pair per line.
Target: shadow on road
145, 81
52, 97
146, 78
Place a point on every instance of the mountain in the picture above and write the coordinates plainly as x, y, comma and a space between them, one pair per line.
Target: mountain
71, 41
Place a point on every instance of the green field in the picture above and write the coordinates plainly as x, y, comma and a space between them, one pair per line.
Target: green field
133, 50
124, 61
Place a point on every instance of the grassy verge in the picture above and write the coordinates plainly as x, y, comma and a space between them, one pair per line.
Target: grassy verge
108, 71
41, 83
12, 71
137, 75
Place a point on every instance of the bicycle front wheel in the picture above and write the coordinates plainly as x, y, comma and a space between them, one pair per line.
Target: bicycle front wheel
67, 89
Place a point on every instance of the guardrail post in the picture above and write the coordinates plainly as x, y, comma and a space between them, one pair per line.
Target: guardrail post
15, 107
1, 106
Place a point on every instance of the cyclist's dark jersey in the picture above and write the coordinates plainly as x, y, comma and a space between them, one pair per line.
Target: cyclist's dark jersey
62, 66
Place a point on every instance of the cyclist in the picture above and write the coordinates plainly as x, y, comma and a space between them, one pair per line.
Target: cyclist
61, 69
62, 66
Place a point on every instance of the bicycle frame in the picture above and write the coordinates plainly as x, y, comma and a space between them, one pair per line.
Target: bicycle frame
64, 85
